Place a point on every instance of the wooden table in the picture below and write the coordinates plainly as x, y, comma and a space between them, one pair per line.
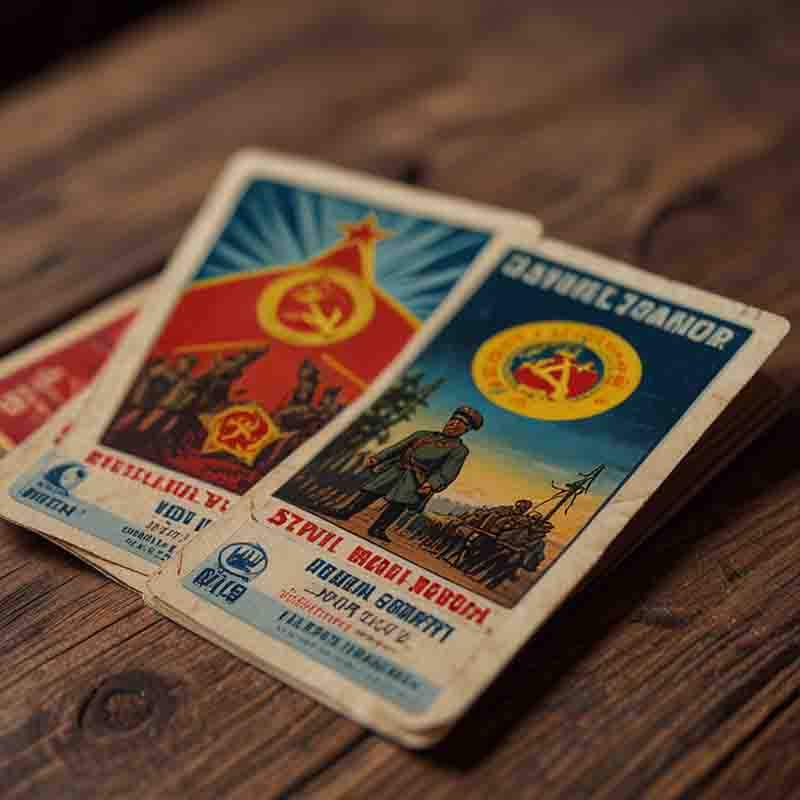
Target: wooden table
663, 133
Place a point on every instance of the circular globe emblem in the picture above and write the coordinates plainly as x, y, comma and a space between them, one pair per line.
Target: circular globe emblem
556, 370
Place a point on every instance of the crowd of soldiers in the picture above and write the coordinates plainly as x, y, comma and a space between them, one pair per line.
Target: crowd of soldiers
167, 397
301, 416
489, 544
162, 410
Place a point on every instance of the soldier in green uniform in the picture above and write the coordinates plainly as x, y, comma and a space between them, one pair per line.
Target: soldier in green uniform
525, 554
408, 473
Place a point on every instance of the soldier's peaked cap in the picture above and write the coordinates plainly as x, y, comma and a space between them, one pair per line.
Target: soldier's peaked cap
470, 415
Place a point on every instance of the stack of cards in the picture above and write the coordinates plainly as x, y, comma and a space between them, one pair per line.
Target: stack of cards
43, 385
369, 437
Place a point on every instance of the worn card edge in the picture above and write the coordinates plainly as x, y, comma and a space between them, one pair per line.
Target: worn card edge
62, 337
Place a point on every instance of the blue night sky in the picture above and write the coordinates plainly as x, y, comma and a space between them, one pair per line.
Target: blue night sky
276, 224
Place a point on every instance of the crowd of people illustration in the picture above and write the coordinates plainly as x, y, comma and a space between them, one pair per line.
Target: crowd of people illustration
490, 544
168, 396
162, 412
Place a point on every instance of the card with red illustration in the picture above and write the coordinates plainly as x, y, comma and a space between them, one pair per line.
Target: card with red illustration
43, 385
297, 285
39, 379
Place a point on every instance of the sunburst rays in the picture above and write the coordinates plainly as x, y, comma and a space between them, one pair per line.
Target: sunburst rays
276, 224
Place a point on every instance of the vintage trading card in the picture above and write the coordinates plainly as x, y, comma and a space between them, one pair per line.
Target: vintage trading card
394, 565
296, 286
43, 385
37, 380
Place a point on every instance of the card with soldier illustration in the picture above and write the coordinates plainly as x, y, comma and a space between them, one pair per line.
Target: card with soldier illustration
392, 566
296, 286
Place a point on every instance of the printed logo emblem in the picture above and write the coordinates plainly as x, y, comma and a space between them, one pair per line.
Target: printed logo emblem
329, 300
243, 560
316, 307
63, 478
241, 430
556, 370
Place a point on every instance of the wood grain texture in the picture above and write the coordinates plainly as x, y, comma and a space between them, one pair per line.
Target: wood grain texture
668, 135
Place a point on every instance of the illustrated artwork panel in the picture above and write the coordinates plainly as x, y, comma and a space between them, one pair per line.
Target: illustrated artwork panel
515, 426
301, 302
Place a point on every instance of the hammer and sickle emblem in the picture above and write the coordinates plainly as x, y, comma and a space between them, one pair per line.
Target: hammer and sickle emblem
237, 426
312, 296
316, 306
242, 431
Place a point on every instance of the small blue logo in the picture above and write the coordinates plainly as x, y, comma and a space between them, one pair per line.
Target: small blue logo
63, 478
245, 560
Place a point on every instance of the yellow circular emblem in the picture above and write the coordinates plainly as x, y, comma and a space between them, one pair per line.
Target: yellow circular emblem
315, 307
556, 370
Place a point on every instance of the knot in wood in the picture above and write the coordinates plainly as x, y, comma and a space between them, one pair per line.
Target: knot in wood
414, 173
694, 215
125, 702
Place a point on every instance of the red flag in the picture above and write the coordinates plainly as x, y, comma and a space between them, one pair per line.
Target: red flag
251, 365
